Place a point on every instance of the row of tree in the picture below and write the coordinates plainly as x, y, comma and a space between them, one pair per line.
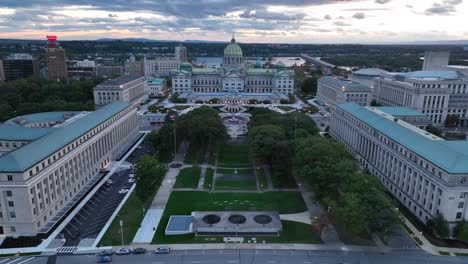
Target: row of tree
289, 143
37, 94
200, 127
149, 175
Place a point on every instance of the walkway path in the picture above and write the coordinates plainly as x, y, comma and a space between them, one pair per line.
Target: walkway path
150, 222
267, 171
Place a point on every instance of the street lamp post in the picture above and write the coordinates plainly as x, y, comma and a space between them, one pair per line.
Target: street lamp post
121, 231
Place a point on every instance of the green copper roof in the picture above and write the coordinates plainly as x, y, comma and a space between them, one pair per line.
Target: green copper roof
451, 156
19, 133
27, 156
399, 111
40, 117
233, 50
204, 70
258, 71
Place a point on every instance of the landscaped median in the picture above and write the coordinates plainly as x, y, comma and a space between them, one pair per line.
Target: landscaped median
183, 203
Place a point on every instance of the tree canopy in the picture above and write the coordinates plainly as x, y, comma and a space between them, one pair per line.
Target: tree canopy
149, 174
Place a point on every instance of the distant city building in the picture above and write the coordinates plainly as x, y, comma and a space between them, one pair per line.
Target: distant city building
128, 88
56, 60
427, 174
18, 66
335, 90
2, 73
151, 120
366, 76
406, 114
435, 60
52, 168
435, 93
181, 53
109, 71
81, 69
160, 66
233, 83
157, 87
134, 67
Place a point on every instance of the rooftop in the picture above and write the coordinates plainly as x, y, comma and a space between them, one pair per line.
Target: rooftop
370, 71
27, 156
19, 133
255, 70
451, 156
40, 118
179, 223
346, 84
121, 80
155, 81
433, 75
204, 70
400, 111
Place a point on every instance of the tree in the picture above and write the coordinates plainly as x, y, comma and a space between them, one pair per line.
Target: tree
374, 103
309, 86
434, 130
252, 101
460, 231
452, 120
292, 98
149, 174
439, 226
262, 139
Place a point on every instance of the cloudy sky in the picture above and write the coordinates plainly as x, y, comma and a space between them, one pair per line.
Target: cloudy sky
287, 21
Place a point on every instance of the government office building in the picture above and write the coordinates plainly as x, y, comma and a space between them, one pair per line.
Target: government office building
435, 93
52, 166
427, 174
128, 88
335, 90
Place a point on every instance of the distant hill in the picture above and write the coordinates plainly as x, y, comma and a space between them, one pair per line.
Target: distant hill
438, 42
154, 40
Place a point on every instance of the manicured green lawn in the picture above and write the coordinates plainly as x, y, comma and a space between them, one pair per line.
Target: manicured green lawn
208, 178
188, 178
234, 154
235, 185
232, 171
183, 203
132, 215
293, 232
194, 155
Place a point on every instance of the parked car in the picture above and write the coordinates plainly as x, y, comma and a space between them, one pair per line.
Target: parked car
104, 259
163, 250
139, 251
123, 251
123, 191
131, 180
107, 252
132, 175
109, 181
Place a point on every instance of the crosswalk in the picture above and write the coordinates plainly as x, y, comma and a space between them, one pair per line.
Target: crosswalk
65, 250
20, 260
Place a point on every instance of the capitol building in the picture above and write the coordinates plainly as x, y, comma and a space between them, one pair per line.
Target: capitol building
236, 81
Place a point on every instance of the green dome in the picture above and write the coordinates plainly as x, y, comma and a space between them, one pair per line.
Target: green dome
186, 66
258, 63
233, 49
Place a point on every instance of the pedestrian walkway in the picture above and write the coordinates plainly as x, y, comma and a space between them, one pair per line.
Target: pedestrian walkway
150, 222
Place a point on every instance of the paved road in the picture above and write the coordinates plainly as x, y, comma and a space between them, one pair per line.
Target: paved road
272, 257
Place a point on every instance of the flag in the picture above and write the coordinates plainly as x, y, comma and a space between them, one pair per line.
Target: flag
173, 117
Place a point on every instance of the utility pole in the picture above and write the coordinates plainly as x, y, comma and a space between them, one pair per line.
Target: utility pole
121, 231
295, 125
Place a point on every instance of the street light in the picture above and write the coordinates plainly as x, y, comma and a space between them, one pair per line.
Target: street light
121, 231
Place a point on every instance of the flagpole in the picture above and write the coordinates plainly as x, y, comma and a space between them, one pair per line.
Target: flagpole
175, 142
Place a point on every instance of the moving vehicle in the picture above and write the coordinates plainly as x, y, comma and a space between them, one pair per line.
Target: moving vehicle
107, 252
139, 251
104, 259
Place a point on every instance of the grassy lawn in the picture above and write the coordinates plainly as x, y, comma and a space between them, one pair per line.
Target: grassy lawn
194, 155
241, 171
183, 203
262, 180
132, 215
235, 185
234, 154
188, 178
208, 178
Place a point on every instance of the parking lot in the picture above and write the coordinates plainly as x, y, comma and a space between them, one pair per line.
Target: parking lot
93, 216
141, 150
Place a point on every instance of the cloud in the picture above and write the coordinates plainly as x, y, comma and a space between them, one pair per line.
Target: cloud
359, 15
327, 17
264, 14
445, 7
341, 24
382, 1
111, 15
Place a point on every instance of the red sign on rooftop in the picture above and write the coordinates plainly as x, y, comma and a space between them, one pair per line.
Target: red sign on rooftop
51, 38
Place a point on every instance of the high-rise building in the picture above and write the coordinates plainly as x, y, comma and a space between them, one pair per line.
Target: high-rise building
181, 53
81, 69
2, 73
56, 60
436, 60
18, 66
160, 66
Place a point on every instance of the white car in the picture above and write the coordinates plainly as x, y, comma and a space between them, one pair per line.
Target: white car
122, 191
124, 251
132, 175
131, 180
109, 181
